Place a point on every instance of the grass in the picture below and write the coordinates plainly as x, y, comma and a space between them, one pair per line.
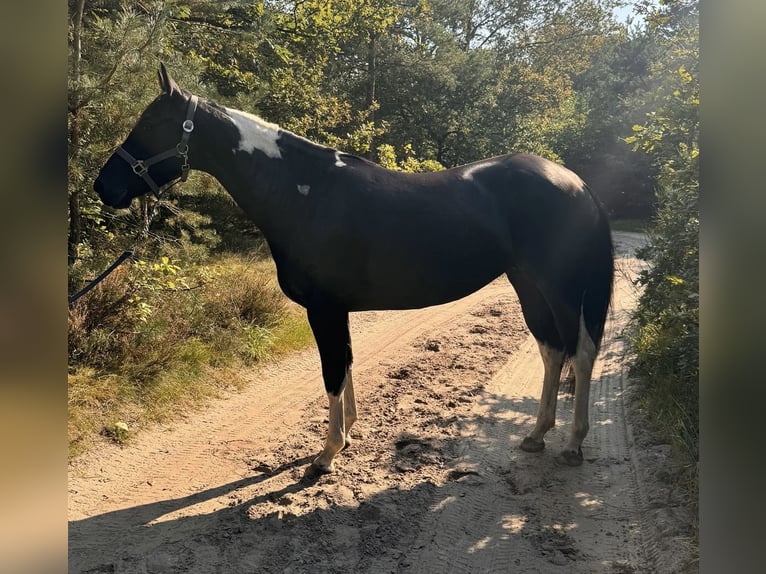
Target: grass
143, 352
665, 368
671, 416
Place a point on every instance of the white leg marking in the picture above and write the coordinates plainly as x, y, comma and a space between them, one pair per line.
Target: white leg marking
349, 405
256, 134
336, 430
304, 189
546, 412
584, 358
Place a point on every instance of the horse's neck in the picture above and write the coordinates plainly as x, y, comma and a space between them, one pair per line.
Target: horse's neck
258, 164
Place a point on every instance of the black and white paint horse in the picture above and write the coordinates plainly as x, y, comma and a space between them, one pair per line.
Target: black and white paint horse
348, 235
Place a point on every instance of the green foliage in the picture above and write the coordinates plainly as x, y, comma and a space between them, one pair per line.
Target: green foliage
453, 79
119, 432
418, 86
611, 96
409, 163
667, 317
258, 342
142, 344
111, 79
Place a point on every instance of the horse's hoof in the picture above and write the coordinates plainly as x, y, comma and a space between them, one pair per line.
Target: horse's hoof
531, 445
315, 470
348, 442
572, 458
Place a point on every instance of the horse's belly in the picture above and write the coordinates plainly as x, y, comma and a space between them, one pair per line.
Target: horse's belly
423, 286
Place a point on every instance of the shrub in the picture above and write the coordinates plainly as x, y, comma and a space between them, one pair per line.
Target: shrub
146, 343
666, 320
101, 323
244, 293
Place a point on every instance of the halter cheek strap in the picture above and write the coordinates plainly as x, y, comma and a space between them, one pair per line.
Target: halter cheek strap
141, 167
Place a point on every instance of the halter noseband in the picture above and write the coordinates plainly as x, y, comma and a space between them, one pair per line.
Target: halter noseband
141, 167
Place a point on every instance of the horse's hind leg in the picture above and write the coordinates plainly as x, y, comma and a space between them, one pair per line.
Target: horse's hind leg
542, 324
330, 327
584, 358
553, 360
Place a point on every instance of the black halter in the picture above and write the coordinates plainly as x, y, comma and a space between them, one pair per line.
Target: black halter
141, 167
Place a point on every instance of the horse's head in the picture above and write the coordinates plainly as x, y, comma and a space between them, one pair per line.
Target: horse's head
155, 154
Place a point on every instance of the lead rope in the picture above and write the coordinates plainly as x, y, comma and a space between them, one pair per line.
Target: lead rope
121, 259
141, 169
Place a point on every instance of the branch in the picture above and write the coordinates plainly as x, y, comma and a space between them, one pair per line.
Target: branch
83, 101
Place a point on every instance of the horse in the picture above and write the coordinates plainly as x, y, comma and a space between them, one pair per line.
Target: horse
348, 235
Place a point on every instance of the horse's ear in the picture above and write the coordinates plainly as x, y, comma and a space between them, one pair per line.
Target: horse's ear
167, 84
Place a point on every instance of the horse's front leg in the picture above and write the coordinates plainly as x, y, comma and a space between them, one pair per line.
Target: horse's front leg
349, 402
330, 327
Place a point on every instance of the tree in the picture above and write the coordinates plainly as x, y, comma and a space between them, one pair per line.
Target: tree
109, 47
448, 81
667, 317
461, 79
611, 93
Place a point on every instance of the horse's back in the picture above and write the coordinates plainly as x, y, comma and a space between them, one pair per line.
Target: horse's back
392, 240
548, 209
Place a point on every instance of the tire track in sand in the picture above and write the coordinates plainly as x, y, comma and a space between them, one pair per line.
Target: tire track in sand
437, 485
155, 479
527, 511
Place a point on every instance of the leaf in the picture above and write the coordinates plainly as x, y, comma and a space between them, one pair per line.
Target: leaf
685, 76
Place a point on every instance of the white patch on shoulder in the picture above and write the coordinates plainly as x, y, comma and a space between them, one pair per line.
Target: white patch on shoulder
339, 162
304, 189
256, 134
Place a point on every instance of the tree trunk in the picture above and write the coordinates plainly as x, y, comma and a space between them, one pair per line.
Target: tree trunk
75, 215
371, 85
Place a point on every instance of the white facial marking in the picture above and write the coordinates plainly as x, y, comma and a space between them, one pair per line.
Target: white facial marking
304, 189
339, 162
256, 134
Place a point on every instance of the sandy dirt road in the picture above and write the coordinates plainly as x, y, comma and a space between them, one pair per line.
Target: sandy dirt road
434, 481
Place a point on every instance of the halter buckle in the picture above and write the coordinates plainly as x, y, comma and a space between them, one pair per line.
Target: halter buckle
139, 168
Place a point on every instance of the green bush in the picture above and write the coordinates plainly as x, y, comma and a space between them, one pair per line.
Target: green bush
666, 320
157, 337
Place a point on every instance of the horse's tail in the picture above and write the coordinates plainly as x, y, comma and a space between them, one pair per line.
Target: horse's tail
599, 279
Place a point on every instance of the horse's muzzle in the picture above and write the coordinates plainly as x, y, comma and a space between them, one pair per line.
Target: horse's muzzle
118, 199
